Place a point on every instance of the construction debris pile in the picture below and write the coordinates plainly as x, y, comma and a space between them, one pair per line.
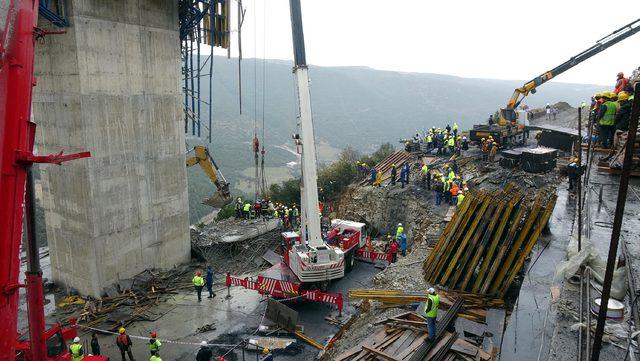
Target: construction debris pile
141, 298
235, 246
612, 163
404, 337
486, 243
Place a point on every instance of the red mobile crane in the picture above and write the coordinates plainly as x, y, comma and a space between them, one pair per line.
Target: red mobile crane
17, 196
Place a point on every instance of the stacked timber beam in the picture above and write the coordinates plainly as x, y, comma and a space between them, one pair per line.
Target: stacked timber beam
474, 305
485, 245
404, 337
398, 158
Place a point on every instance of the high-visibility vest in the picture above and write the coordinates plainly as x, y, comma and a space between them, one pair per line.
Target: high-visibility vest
455, 126
399, 231
460, 199
435, 302
425, 169
76, 351
451, 175
452, 142
155, 358
155, 345
247, 207
198, 281
609, 117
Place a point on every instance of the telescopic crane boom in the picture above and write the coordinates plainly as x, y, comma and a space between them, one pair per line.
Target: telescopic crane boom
508, 114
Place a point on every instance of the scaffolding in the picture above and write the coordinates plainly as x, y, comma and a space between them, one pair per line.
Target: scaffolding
201, 22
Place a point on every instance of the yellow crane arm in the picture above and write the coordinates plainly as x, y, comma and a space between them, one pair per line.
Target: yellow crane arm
208, 165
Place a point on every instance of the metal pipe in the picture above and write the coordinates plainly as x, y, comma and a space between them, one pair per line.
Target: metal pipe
588, 345
617, 222
35, 292
580, 180
198, 39
581, 316
193, 101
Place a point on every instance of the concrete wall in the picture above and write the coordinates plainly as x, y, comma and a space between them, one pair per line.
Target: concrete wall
111, 85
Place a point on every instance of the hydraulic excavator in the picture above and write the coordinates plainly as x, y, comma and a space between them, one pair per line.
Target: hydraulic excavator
508, 128
202, 156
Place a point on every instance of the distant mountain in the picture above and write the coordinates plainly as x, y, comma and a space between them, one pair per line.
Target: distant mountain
352, 106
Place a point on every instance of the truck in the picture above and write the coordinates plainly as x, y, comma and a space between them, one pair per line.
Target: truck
41, 341
353, 239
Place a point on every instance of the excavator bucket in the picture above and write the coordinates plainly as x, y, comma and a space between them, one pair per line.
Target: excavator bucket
218, 200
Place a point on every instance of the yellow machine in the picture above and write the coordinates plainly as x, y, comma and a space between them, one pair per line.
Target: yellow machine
508, 114
202, 156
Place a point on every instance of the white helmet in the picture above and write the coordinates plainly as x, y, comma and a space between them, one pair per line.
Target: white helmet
431, 290
76, 339
203, 343
399, 224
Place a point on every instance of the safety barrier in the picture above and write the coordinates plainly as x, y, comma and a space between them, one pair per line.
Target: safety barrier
284, 290
373, 256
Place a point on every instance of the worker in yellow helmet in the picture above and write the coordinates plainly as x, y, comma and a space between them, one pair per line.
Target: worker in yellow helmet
266, 355
123, 341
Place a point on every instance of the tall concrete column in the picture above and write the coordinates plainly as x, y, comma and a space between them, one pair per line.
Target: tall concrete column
111, 85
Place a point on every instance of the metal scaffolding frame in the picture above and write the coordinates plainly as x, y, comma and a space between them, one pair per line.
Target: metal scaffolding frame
201, 22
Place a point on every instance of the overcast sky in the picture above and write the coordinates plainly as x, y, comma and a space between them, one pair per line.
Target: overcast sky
471, 38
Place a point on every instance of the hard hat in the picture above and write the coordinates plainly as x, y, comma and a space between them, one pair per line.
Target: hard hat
121, 330
219, 358
265, 350
198, 273
431, 290
460, 191
399, 224
483, 139
393, 165
154, 334
203, 343
494, 143
76, 339
622, 96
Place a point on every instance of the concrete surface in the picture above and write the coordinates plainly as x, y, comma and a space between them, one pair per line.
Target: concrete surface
111, 85
234, 319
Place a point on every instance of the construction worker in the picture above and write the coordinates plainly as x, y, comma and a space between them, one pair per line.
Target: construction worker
154, 343
394, 174
378, 181
431, 312
155, 356
621, 83
238, 208
393, 249
493, 152
266, 355
76, 349
399, 231
295, 216
246, 210
454, 193
455, 129
429, 141
204, 353
407, 168
123, 341
426, 181
624, 112
460, 198
438, 188
209, 282
485, 149
452, 144
452, 174
465, 143
606, 119
198, 283
403, 244
403, 176
95, 345
372, 175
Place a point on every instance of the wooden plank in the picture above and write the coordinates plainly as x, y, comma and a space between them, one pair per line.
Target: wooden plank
477, 217
513, 228
491, 229
465, 347
475, 328
380, 353
393, 348
515, 248
441, 347
497, 238
471, 248
350, 352
495, 325
413, 346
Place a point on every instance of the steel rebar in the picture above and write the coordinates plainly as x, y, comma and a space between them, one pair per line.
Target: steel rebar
617, 223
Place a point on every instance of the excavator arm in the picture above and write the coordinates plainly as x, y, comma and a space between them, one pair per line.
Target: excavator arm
210, 168
508, 114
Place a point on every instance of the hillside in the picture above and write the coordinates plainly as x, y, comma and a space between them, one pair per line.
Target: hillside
353, 106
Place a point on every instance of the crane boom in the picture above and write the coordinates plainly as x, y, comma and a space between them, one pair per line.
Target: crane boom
508, 114
309, 193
